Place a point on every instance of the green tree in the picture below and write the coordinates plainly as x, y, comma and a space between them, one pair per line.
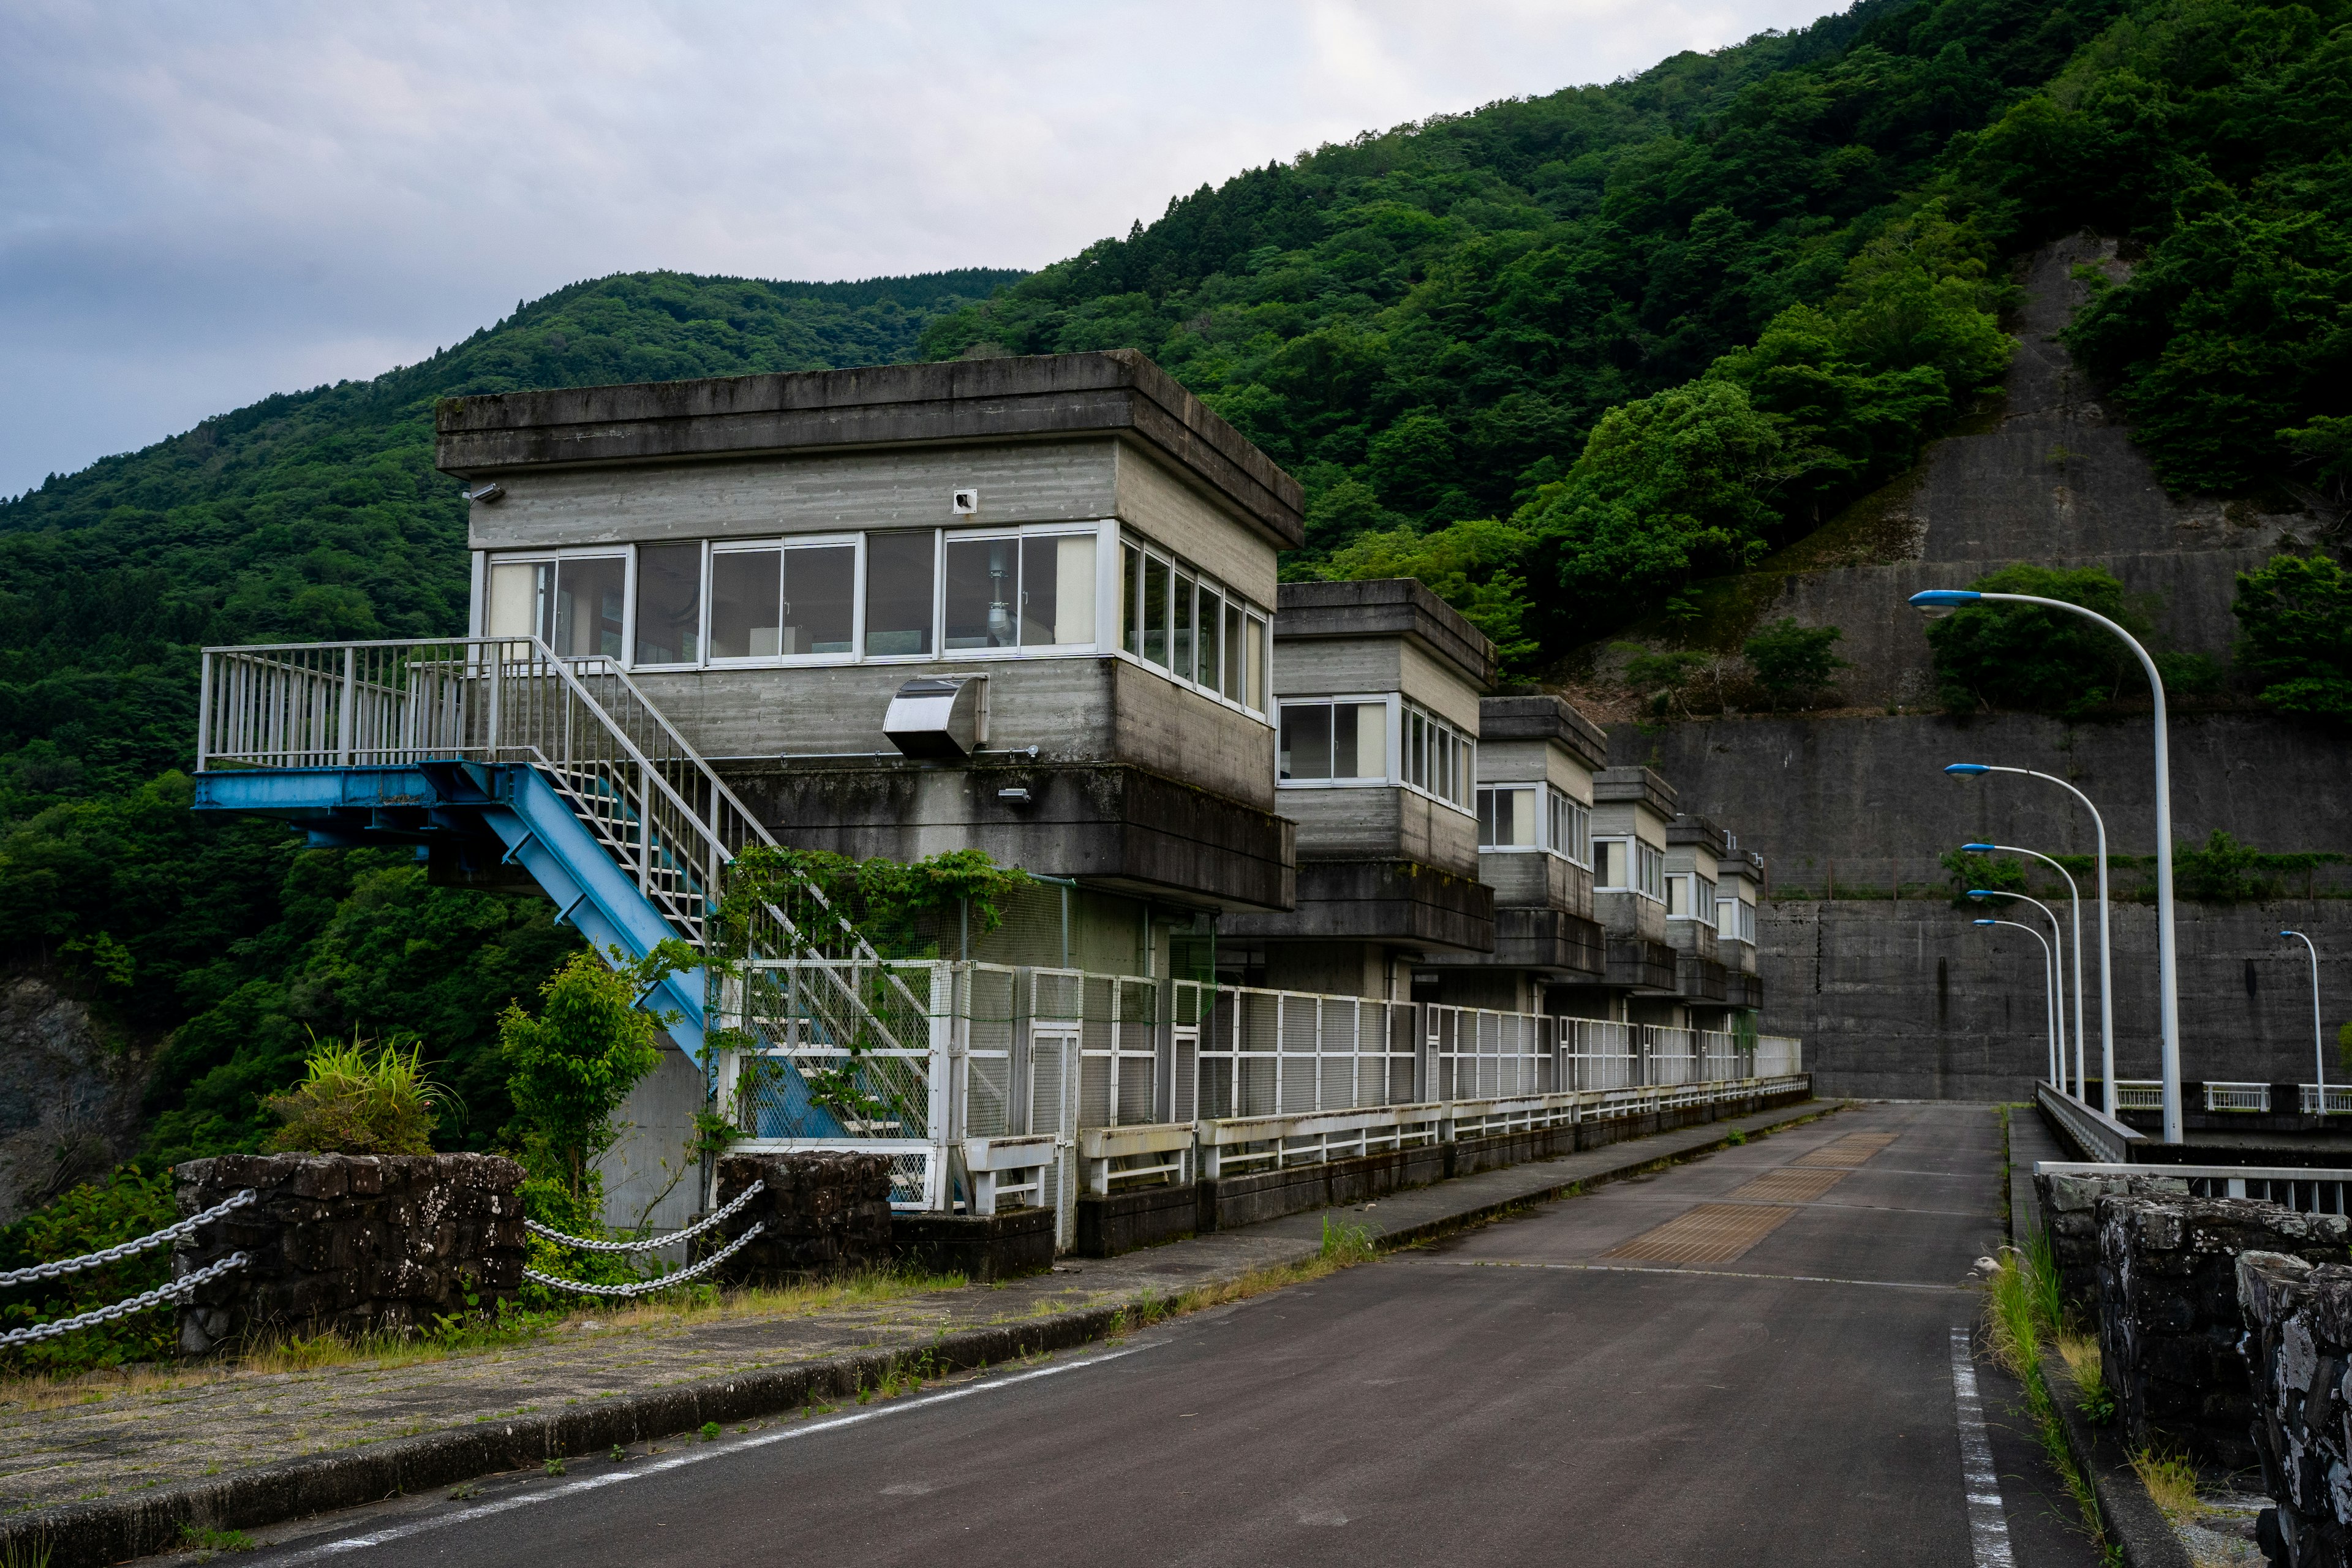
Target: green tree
1667, 489
1475, 566
2294, 626
90, 1218
2042, 660
1792, 662
2002, 874
568, 1069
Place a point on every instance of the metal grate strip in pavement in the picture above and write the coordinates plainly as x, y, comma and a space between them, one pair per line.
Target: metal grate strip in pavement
1789, 1186
1711, 1233
1853, 1150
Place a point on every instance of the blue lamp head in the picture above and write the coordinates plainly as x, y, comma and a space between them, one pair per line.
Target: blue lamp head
1980, 848
1988, 922
1944, 598
2286, 934
1969, 769
1983, 893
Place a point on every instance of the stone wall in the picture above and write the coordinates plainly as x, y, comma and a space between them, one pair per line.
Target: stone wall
2298, 1320
2069, 1214
823, 1213
2168, 1319
355, 1244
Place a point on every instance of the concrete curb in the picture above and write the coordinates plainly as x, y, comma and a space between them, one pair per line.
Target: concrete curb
110, 1530
2132, 1521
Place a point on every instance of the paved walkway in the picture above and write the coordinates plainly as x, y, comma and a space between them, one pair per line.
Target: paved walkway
122, 1444
1762, 1357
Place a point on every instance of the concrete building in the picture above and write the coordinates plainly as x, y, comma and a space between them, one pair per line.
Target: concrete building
1021, 606
1378, 687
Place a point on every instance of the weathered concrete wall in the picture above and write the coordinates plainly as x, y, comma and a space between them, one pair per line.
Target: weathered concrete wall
2170, 1324
1911, 1000
652, 1176
2298, 1320
357, 1244
1356, 822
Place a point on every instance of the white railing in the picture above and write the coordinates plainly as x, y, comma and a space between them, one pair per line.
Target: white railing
2139, 1094
1275, 1053
2338, 1098
2237, 1096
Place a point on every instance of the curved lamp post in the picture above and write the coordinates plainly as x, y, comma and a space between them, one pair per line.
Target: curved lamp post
2057, 972
1942, 600
2107, 967
2319, 1046
2049, 979
2073, 897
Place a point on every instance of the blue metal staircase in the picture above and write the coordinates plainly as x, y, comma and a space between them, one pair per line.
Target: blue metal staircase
490, 753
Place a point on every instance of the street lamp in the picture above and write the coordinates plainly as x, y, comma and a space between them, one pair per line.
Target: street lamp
1939, 600
2057, 972
2318, 1049
2075, 896
2049, 967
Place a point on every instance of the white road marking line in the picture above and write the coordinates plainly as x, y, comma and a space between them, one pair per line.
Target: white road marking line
1987, 1527
694, 1457
1710, 1273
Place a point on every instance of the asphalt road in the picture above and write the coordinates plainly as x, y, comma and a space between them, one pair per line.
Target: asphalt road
1770, 1381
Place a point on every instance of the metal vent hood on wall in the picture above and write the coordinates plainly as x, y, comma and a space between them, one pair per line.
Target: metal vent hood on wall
938, 716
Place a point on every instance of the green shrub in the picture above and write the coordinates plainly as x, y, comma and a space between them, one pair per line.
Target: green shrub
2039, 661
96, 1215
356, 1101
1792, 662
2294, 626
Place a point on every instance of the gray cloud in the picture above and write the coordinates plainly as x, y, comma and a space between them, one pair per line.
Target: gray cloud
201, 205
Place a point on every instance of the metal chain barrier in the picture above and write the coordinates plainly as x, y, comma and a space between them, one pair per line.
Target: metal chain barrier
665, 1282
178, 1288
117, 1253
688, 1234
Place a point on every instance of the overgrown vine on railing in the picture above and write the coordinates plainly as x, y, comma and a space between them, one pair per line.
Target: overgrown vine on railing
829, 904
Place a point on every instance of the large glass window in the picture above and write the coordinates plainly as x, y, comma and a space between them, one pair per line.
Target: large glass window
898, 581
1613, 863
1342, 742
984, 593
1506, 817
1155, 611
519, 591
820, 608
1735, 919
1254, 688
590, 603
746, 604
1237, 680
1057, 590
1180, 640
1567, 827
1650, 870
1131, 590
1212, 639
669, 603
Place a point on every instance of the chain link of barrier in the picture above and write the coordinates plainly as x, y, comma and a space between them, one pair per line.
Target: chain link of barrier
688, 1234
121, 1250
124, 1309
662, 1283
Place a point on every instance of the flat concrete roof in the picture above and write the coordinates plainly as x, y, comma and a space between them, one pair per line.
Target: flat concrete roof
1689, 828
1615, 785
1117, 392
1386, 607
1543, 717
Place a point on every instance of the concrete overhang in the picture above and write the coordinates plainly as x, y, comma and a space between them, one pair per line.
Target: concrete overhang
1543, 717
1396, 902
1612, 786
1385, 607
1697, 832
1117, 392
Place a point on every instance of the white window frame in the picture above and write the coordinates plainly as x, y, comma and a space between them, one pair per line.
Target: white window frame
1537, 812
1743, 919
626, 553
1559, 804
1645, 860
1257, 625
1699, 898
1385, 700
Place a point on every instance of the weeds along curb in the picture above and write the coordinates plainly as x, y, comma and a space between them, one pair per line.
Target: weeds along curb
2136, 1530
90, 1534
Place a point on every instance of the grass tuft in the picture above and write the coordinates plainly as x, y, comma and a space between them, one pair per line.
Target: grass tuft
2171, 1483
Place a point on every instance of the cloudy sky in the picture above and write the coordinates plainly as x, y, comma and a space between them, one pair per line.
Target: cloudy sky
204, 203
